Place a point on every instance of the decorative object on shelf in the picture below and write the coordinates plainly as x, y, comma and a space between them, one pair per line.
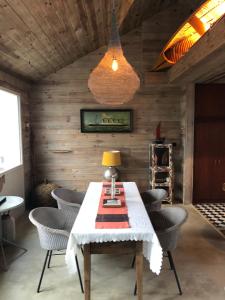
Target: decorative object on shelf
190, 32
158, 131
158, 138
113, 81
42, 194
161, 168
106, 120
111, 159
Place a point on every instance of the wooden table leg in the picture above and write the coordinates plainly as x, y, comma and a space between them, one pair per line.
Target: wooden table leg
87, 272
139, 269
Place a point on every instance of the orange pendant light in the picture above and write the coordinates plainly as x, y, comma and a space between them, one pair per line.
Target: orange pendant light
113, 81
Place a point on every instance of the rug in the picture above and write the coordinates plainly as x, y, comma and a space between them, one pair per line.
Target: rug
214, 213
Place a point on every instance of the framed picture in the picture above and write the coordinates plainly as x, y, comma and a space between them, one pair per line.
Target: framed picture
106, 120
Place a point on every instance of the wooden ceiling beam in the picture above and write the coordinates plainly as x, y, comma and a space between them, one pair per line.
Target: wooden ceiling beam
39, 37
123, 9
18, 83
204, 60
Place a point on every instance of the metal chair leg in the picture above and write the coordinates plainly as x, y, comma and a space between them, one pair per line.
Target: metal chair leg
43, 270
135, 289
78, 271
4, 257
49, 260
5, 241
171, 265
133, 262
174, 270
14, 244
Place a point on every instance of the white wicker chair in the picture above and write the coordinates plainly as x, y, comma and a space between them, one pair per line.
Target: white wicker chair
167, 223
153, 199
69, 202
53, 234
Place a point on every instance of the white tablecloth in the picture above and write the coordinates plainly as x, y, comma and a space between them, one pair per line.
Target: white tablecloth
84, 231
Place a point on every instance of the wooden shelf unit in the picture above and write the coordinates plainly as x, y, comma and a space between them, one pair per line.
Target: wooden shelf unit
161, 168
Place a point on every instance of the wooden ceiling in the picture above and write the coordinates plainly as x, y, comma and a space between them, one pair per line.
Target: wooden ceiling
39, 37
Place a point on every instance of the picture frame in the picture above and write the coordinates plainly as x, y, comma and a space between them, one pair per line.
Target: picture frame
106, 120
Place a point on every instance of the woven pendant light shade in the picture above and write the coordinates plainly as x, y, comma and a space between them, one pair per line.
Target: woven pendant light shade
113, 81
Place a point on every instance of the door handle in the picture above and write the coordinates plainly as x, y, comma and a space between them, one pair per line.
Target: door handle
223, 186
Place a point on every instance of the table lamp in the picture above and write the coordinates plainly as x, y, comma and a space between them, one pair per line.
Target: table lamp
111, 159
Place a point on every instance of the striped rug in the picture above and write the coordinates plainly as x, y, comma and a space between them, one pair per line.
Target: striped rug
214, 213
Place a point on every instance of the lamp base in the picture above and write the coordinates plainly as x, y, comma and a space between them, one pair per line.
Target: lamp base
111, 172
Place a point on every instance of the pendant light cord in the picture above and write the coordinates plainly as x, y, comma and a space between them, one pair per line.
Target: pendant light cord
114, 39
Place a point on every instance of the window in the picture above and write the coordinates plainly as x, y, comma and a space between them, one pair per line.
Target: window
10, 131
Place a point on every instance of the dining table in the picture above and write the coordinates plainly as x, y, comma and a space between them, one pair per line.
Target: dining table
138, 239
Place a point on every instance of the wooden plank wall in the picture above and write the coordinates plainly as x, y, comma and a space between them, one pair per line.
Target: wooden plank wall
56, 104
22, 88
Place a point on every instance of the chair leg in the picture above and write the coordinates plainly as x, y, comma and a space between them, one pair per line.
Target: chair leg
135, 289
43, 270
171, 265
49, 260
78, 271
4, 257
174, 270
133, 262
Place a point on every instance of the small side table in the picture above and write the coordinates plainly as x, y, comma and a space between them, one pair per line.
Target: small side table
11, 203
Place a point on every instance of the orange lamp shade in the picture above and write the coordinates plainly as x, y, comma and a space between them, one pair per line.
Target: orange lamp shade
111, 158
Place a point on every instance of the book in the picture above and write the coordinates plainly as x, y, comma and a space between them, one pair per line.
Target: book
111, 203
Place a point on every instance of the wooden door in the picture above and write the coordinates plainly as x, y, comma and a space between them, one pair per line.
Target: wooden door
209, 149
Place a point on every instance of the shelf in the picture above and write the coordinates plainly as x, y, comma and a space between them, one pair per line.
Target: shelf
161, 169
167, 201
165, 184
62, 151
162, 145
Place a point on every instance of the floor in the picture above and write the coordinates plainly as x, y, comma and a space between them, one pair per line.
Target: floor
199, 257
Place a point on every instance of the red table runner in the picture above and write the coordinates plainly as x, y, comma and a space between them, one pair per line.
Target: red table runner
112, 217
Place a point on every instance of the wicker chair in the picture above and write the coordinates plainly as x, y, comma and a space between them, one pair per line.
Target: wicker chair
167, 223
69, 202
53, 234
153, 199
